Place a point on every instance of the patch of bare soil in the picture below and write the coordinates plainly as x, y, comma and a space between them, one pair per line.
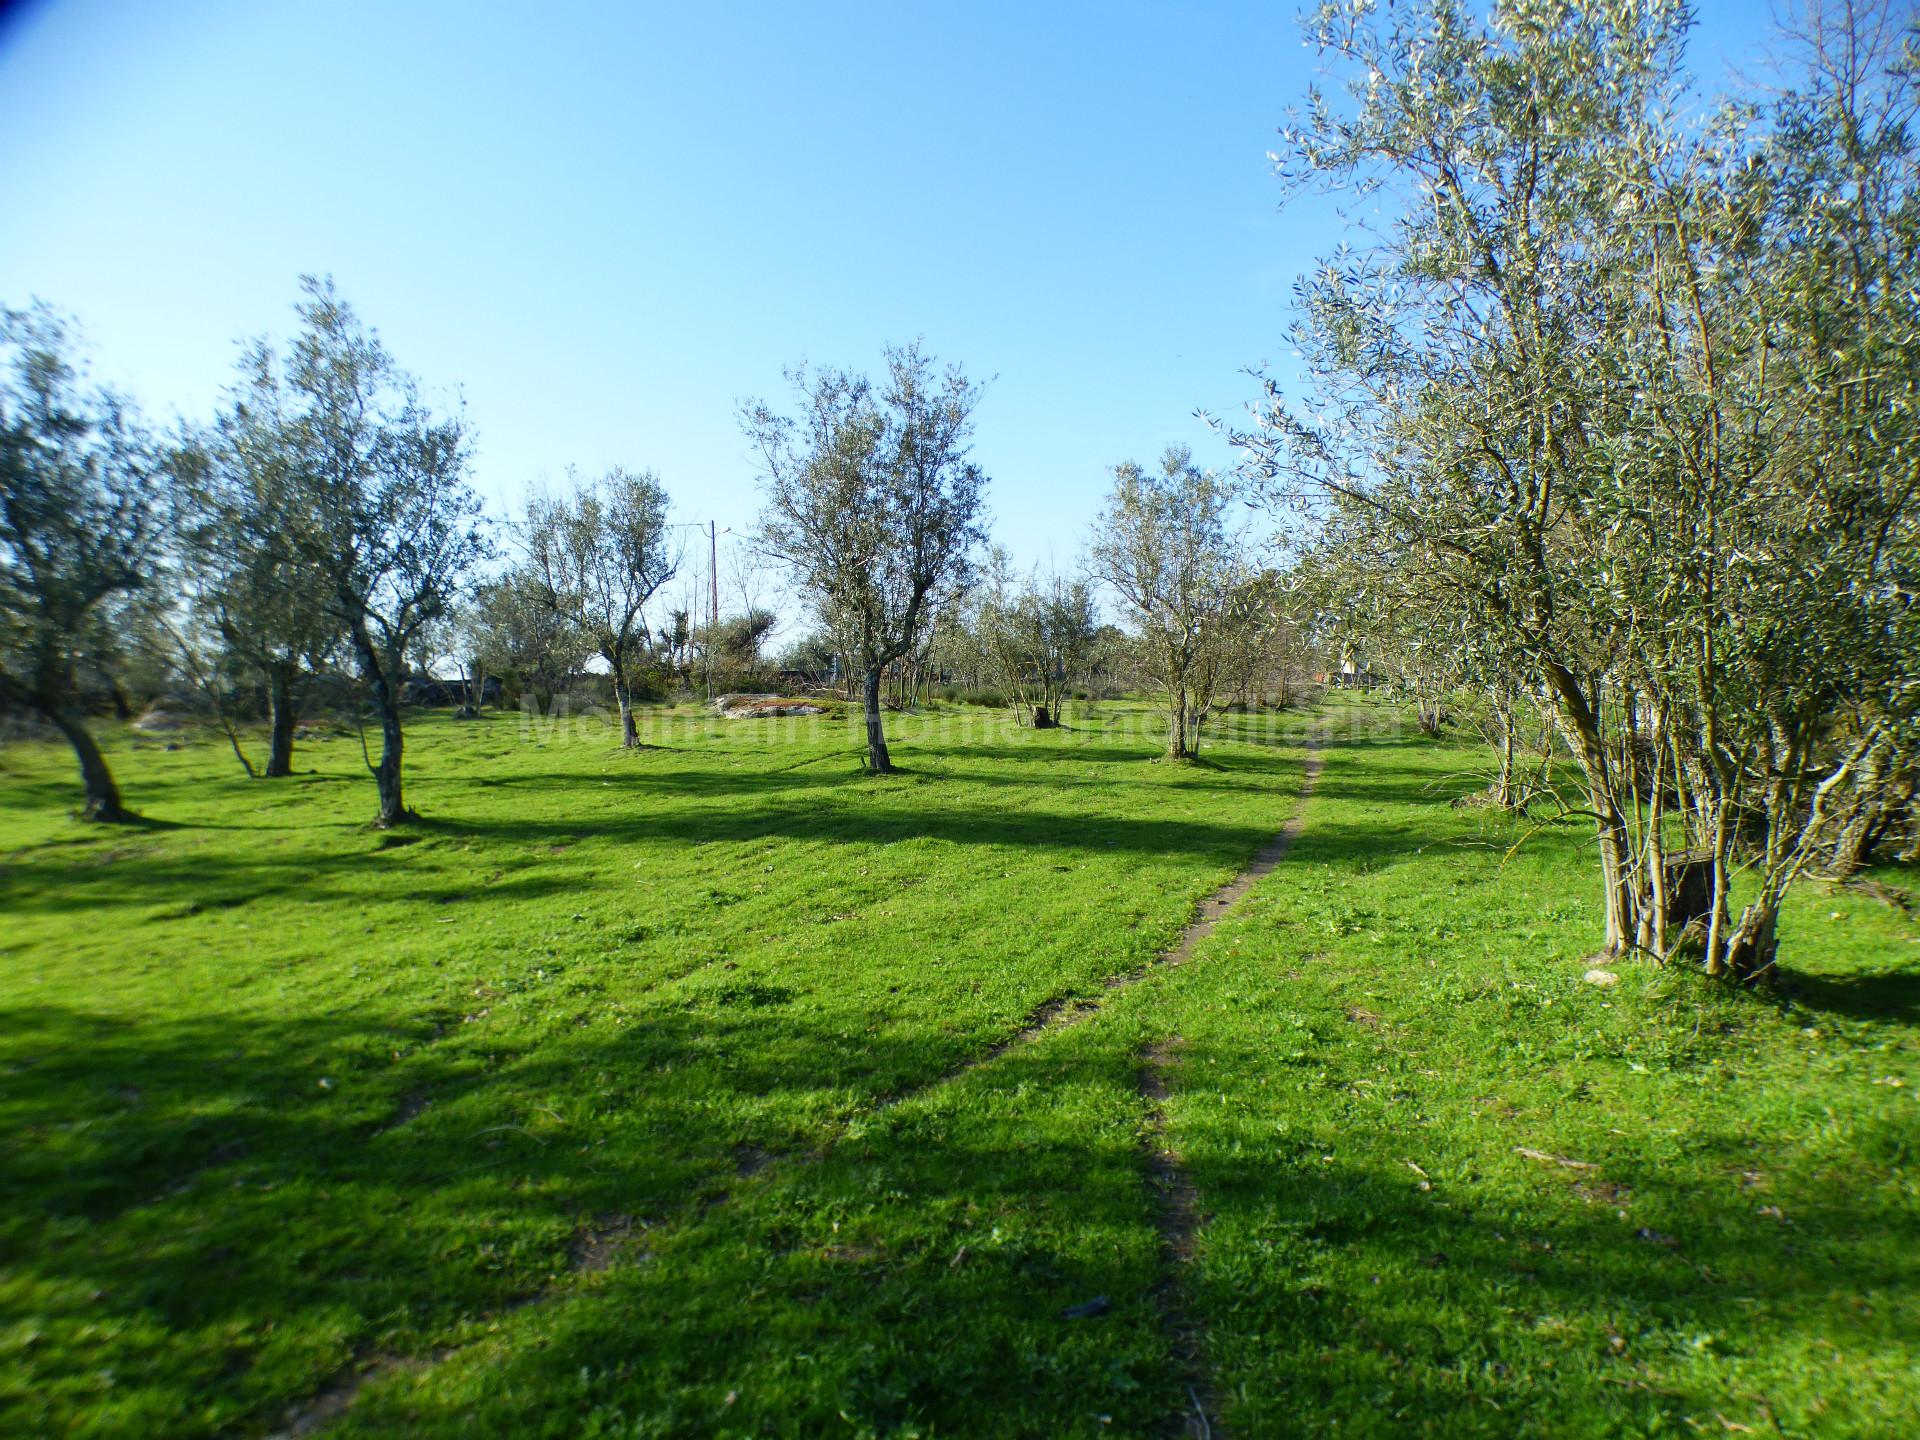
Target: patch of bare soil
595, 1247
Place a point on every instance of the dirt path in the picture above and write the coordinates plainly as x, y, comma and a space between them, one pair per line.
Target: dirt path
1176, 1205
598, 1247
1177, 1216
1061, 1013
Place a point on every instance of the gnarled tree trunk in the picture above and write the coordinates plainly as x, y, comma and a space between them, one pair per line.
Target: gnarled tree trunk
386, 701
623, 696
281, 713
1748, 950
1620, 893
878, 760
102, 795
386, 774
1884, 804
1504, 790
1177, 748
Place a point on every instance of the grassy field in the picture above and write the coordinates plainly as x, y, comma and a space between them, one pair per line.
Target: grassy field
671, 1093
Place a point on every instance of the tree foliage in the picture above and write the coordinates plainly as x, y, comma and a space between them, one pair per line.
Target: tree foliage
258, 608
509, 629
370, 501
1036, 637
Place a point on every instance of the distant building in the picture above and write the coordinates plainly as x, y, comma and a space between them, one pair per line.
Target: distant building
1353, 673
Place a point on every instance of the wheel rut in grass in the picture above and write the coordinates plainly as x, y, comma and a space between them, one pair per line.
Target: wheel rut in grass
1065, 1011
1177, 1217
1176, 1204
598, 1247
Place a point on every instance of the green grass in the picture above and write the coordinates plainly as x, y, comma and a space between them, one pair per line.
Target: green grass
629, 1094
1407, 1017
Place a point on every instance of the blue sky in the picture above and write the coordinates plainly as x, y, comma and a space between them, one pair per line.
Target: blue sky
604, 224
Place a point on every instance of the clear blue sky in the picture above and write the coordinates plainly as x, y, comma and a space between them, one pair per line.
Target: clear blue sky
604, 224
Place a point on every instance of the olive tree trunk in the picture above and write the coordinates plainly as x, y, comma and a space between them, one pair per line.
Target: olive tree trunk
1505, 793
102, 795
1884, 803
629, 731
1621, 895
879, 762
1177, 727
623, 698
386, 774
386, 702
282, 716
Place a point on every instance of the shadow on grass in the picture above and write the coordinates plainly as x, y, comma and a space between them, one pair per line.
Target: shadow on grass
916, 1278
1343, 1289
925, 1267
195, 883
1882, 995
190, 885
211, 1181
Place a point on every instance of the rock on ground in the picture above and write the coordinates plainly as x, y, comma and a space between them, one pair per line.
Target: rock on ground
739, 707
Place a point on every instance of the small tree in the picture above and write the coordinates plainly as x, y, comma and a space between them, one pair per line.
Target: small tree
1259, 641
737, 642
77, 530
599, 555
812, 655
512, 632
1035, 639
872, 501
746, 578
1162, 545
268, 613
377, 507
677, 639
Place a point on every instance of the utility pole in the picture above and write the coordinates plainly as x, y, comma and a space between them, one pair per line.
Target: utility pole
713, 600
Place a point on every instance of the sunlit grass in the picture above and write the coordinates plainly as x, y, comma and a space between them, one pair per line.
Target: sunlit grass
570, 1111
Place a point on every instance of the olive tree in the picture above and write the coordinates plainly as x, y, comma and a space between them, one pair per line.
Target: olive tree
258, 606
375, 505
1036, 637
1163, 546
509, 629
1629, 402
872, 502
599, 555
78, 531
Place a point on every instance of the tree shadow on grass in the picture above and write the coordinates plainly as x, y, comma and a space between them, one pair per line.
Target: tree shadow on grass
1343, 1280
194, 1183
333, 1182
1886, 996
1005, 766
1070, 832
187, 885
920, 1276
916, 1277
415, 866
